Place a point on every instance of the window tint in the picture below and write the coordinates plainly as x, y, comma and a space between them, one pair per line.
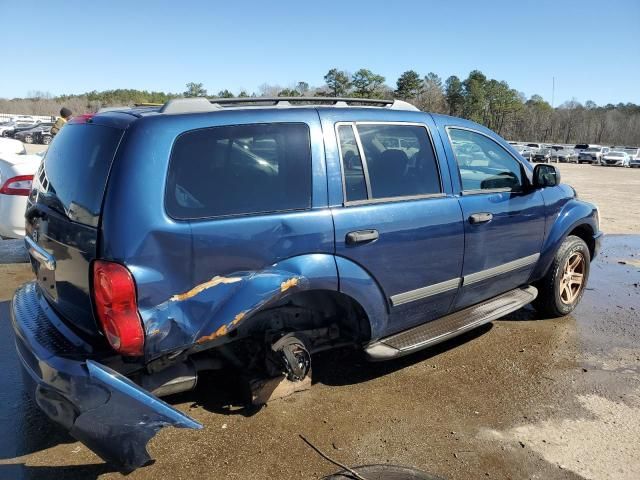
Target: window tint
399, 160
483, 163
239, 170
354, 182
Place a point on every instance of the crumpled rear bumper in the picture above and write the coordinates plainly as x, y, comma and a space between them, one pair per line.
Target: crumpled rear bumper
107, 412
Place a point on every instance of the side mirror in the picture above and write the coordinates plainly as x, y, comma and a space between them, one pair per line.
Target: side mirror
545, 175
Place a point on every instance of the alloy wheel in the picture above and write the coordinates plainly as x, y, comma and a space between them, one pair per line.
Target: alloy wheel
572, 280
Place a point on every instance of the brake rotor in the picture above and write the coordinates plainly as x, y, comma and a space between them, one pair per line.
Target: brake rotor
293, 356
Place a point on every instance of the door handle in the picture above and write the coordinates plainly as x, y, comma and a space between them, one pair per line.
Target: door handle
483, 217
362, 236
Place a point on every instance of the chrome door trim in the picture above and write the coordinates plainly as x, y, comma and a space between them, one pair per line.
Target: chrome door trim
500, 269
424, 292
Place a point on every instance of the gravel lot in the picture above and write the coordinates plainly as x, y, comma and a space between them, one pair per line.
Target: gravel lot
524, 397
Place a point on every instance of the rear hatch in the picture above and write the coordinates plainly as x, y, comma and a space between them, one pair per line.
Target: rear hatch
63, 215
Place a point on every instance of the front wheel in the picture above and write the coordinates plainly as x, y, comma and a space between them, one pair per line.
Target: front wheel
28, 139
561, 289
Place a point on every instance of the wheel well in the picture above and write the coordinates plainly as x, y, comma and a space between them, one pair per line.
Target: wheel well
585, 233
321, 308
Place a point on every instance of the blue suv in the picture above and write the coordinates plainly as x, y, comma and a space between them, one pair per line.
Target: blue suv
250, 234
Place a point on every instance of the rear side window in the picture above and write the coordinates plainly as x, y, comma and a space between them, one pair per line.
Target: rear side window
399, 161
76, 168
240, 169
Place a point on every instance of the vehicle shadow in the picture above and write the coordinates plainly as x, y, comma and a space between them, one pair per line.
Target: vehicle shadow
21, 471
348, 367
229, 394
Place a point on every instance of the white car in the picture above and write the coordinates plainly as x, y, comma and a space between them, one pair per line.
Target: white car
11, 146
16, 174
616, 158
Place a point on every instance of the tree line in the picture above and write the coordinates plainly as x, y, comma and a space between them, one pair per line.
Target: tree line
487, 101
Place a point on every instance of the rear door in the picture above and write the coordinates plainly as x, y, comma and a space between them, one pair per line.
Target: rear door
63, 214
504, 220
394, 215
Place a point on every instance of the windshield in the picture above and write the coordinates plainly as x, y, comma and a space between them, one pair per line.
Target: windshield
592, 149
615, 154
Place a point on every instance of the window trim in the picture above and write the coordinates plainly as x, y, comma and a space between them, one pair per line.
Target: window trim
370, 200
245, 214
464, 192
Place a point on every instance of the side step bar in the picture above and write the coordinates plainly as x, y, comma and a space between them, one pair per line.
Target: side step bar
436, 331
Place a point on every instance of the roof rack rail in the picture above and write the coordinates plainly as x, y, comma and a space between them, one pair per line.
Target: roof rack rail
276, 100
202, 104
336, 101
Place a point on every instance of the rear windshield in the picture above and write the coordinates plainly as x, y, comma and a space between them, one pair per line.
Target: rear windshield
581, 146
239, 170
76, 167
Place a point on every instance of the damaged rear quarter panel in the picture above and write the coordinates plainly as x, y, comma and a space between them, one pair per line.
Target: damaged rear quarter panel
178, 266
214, 308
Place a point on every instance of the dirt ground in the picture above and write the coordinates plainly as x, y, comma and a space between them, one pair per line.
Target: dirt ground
522, 398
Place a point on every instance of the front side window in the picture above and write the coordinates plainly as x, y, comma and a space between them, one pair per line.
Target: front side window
483, 163
399, 161
240, 169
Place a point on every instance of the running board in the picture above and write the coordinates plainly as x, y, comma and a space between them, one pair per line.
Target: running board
444, 328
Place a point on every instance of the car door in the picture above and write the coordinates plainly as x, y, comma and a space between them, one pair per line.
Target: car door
393, 212
504, 219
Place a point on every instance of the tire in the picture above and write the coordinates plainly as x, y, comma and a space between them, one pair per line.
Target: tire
46, 140
28, 139
555, 297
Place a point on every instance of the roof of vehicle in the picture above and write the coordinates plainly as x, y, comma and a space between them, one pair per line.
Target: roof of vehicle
121, 117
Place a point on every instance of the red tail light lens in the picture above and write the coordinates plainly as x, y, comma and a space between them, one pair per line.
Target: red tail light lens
114, 294
20, 185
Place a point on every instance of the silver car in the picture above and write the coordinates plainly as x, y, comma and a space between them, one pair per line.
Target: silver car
617, 159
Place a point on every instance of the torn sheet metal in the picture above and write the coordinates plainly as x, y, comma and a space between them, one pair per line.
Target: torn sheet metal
118, 430
212, 309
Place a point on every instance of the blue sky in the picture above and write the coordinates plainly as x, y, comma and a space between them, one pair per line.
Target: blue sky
69, 46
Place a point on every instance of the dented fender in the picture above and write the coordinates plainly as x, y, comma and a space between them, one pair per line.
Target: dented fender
214, 308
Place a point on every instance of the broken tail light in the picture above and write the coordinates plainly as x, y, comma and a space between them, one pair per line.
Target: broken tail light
114, 294
20, 185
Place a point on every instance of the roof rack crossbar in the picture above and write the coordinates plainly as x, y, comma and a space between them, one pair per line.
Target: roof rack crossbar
316, 100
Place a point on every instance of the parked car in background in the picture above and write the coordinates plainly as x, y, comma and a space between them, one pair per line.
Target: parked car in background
11, 146
615, 158
593, 155
8, 128
16, 175
525, 151
543, 155
251, 242
566, 155
580, 147
34, 134
24, 119
634, 155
